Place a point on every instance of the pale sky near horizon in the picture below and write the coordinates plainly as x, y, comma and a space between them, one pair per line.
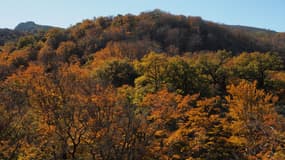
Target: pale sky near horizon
268, 14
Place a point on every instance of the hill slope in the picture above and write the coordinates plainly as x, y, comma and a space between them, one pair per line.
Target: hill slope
163, 32
8, 35
31, 27
174, 34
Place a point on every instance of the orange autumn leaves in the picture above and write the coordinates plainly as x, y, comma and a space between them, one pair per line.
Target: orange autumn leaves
68, 113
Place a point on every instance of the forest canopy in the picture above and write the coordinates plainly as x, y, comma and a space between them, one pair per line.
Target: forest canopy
151, 86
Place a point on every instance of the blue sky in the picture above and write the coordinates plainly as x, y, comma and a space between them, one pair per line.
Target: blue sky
268, 14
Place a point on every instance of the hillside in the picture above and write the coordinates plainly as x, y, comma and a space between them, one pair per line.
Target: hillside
175, 33
171, 33
143, 87
31, 27
8, 35
22, 29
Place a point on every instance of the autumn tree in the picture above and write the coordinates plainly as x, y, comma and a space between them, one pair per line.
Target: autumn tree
127, 49
163, 119
47, 56
200, 132
62, 110
65, 50
54, 37
18, 123
255, 125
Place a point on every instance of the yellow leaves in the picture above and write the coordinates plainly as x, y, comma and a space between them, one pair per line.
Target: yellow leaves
187, 102
67, 104
162, 98
65, 50
28, 152
105, 97
25, 77
176, 157
240, 141
160, 134
162, 106
245, 100
280, 75
208, 101
237, 127
182, 134
279, 154
253, 117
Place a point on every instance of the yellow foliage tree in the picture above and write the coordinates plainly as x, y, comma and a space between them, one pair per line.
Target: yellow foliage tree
255, 125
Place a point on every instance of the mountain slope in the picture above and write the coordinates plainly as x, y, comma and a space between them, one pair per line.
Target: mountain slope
162, 32
8, 35
173, 34
31, 27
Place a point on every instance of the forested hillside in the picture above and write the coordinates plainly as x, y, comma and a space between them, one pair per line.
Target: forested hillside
7, 35
151, 86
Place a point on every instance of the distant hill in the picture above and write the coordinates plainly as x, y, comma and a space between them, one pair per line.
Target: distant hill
173, 34
22, 29
158, 31
31, 27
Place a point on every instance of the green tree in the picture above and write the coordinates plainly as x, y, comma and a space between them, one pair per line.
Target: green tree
212, 65
181, 77
26, 41
152, 68
255, 66
116, 72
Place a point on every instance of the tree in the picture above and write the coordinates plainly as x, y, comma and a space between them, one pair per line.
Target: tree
200, 133
18, 125
60, 101
116, 72
54, 37
47, 55
254, 121
130, 50
152, 67
26, 41
181, 77
163, 117
65, 50
255, 66
213, 66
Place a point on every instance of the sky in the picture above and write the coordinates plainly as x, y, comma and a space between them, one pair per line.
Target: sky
268, 14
